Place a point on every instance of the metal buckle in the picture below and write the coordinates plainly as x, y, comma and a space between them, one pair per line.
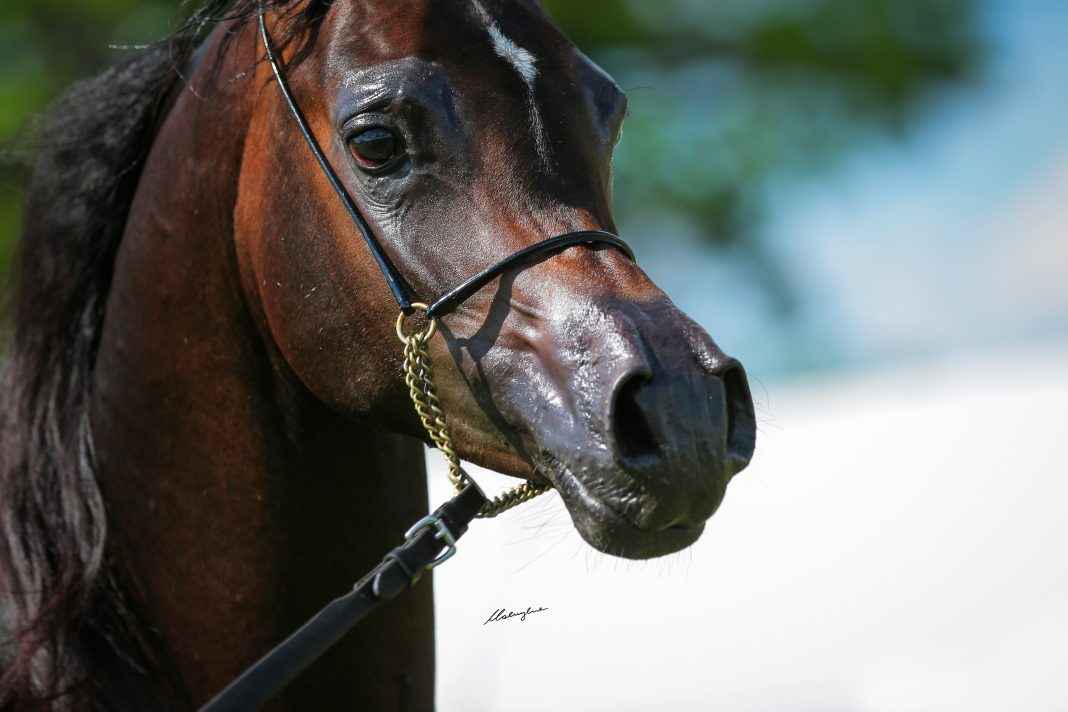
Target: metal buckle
443, 534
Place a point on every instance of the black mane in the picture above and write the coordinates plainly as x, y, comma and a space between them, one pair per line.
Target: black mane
67, 632
56, 592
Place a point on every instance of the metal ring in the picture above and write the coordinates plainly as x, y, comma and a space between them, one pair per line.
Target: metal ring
442, 533
431, 330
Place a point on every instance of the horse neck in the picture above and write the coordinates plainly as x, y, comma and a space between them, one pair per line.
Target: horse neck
238, 504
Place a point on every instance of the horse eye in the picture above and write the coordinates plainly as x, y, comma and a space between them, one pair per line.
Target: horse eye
374, 147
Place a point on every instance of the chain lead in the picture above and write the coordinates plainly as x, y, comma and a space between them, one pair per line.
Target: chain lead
419, 378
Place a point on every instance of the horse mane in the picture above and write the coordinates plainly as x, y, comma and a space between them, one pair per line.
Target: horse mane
69, 636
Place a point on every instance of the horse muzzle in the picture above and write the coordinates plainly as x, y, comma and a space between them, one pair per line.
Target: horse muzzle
657, 422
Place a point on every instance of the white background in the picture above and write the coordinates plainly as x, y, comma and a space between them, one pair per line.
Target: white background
899, 543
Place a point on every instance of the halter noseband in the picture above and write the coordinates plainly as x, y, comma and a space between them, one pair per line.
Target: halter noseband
402, 291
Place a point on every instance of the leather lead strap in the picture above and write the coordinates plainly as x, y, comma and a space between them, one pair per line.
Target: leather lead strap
399, 570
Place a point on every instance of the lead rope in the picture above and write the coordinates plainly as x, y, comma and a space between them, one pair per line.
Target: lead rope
419, 377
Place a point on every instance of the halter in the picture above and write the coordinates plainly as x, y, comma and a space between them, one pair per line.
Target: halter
418, 372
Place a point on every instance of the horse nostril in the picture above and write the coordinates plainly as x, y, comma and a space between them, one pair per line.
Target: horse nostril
634, 438
741, 419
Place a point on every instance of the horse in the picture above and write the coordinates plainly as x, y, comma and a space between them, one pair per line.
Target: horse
205, 431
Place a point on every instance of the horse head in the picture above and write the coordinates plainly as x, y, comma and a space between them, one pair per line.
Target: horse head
204, 415
466, 131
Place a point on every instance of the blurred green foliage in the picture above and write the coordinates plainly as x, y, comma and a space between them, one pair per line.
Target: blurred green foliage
44, 46
726, 96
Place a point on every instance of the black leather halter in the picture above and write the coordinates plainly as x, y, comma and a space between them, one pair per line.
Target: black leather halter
402, 291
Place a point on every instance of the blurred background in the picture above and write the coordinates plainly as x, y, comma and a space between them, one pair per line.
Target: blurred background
866, 201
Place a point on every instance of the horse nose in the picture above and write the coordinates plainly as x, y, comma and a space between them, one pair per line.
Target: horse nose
633, 437
642, 413
741, 418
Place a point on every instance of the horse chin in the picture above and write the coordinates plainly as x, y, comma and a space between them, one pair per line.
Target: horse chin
610, 531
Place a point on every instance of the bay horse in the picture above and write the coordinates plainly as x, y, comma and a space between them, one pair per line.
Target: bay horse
205, 433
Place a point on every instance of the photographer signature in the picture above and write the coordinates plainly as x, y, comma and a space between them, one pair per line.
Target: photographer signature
501, 614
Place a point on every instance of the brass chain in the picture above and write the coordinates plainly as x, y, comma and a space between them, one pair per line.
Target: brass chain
419, 377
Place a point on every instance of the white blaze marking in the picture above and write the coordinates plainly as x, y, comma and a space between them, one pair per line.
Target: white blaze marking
526, 64
521, 59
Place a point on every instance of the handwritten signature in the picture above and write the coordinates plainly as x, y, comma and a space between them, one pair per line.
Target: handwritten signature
502, 615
